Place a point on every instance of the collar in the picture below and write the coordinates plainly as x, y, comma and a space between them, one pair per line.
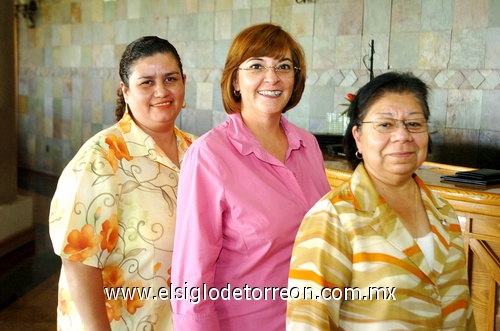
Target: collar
139, 143
385, 222
245, 142
367, 198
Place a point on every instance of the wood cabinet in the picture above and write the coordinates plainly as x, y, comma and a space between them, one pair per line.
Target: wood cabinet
479, 210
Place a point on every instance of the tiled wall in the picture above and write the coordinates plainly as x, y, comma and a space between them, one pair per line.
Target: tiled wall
68, 72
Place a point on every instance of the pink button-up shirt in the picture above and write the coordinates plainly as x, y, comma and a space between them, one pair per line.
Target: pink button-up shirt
239, 209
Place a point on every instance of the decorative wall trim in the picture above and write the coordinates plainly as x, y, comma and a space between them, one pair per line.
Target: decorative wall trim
441, 79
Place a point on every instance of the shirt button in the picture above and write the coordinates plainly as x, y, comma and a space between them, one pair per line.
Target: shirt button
435, 295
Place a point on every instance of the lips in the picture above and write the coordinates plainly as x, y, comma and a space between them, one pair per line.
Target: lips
163, 104
401, 154
271, 93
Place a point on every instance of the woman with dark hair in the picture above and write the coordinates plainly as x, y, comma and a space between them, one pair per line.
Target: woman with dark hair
382, 252
244, 188
112, 217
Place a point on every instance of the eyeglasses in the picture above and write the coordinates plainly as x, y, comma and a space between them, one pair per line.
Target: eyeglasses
387, 125
281, 70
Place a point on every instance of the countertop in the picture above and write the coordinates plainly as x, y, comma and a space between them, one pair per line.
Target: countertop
429, 172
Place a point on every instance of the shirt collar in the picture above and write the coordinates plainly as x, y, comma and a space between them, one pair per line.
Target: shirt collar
245, 142
367, 198
139, 143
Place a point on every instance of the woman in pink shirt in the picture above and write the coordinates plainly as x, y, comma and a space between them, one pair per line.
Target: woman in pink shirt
243, 191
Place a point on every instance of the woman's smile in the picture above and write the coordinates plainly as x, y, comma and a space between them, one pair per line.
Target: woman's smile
270, 93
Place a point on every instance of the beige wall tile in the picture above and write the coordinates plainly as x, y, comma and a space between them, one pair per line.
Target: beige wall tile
468, 49
434, 50
470, 14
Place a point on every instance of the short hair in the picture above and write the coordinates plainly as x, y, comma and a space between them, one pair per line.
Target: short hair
371, 92
257, 41
140, 48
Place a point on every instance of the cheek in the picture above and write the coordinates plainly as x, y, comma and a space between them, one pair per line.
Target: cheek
371, 142
180, 92
423, 144
138, 96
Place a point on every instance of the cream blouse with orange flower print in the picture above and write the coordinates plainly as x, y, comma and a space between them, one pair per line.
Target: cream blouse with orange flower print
114, 209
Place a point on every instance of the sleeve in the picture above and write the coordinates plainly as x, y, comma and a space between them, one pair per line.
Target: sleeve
321, 262
316, 165
198, 241
83, 211
325, 185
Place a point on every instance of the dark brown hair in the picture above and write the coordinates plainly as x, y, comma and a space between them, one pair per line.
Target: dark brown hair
136, 50
391, 82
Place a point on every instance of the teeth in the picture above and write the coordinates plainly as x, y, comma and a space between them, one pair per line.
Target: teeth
270, 93
162, 104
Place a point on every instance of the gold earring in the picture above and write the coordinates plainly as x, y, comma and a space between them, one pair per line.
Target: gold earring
184, 104
358, 155
236, 93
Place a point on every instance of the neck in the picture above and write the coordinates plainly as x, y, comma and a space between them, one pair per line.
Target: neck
263, 126
269, 133
406, 202
167, 141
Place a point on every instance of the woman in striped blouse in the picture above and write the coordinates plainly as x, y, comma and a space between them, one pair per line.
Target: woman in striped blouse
382, 252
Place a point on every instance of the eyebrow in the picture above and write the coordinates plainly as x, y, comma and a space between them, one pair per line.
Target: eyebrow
166, 74
409, 114
261, 59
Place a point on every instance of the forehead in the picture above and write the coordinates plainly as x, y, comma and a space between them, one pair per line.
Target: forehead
260, 51
396, 103
277, 56
155, 61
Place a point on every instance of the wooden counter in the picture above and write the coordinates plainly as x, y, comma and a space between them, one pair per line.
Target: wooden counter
479, 210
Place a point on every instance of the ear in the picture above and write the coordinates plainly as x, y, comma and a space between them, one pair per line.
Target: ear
356, 133
124, 91
236, 84
184, 78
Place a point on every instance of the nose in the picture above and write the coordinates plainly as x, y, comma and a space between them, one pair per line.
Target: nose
271, 72
402, 124
401, 132
161, 90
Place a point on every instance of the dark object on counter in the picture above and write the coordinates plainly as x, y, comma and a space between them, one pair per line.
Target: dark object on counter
478, 177
325, 139
335, 149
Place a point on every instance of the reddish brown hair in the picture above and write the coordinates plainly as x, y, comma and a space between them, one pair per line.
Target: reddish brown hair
258, 41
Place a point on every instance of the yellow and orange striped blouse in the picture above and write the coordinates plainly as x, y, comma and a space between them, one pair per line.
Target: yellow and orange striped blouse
356, 267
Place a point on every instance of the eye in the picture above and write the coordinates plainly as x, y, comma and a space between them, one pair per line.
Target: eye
385, 123
284, 67
256, 66
414, 123
147, 82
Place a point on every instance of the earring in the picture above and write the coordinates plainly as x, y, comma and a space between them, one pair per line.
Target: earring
236, 93
127, 109
358, 155
184, 104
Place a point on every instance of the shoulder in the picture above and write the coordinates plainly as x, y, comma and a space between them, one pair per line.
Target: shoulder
95, 148
301, 133
98, 140
213, 140
185, 136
